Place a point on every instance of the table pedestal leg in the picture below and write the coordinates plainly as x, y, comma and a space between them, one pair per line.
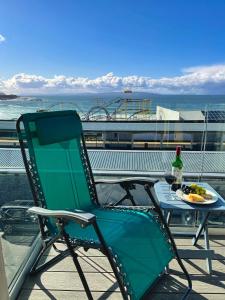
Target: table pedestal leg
200, 229
204, 227
168, 217
208, 259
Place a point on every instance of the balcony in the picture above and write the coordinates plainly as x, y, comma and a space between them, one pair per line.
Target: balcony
62, 280
21, 241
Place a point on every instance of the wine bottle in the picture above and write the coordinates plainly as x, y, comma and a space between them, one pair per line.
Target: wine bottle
177, 169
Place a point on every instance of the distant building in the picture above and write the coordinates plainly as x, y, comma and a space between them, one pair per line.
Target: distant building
166, 114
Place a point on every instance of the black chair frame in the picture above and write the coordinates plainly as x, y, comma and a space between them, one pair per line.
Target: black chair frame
87, 219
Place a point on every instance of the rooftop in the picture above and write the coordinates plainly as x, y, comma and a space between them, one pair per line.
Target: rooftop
122, 162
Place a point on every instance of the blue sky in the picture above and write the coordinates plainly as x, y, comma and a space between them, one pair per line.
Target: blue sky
149, 39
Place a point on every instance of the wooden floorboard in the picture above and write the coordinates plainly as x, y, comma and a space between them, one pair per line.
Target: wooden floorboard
62, 281
67, 295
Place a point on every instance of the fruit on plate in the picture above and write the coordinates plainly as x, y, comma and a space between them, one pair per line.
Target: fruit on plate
195, 193
186, 189
196, 189
195, 198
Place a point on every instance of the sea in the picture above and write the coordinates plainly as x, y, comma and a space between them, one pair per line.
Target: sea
12, 109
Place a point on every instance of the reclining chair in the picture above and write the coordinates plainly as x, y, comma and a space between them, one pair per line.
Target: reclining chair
136, 240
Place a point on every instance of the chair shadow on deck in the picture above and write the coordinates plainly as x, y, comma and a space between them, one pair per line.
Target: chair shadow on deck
215, 279
170, 288
91, 263
217, 257
176, 287
217, 241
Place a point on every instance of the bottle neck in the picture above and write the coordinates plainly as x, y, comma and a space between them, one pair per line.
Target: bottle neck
178, 151
177, 163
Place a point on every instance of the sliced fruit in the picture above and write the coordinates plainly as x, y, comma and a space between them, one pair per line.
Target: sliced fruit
195, 198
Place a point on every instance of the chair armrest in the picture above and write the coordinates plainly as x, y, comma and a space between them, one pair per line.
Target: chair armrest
129, 180
80, 216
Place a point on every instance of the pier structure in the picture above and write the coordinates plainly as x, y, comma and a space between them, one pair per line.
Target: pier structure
116, 109
120, 109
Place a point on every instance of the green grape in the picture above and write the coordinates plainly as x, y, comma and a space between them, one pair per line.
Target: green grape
196, 189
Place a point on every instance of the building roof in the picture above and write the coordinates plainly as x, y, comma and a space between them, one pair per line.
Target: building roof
193, 115
215, 115
133, 162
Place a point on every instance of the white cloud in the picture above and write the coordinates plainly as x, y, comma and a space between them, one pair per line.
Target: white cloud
2, 38
194, 80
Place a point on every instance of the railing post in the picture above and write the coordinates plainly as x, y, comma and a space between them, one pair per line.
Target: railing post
3, 282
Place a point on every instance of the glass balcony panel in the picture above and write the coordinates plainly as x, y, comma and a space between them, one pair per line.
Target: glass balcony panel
18, 228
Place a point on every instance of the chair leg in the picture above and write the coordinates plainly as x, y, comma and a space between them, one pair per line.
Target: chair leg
56, 249
77, 265
49, 263
54, 260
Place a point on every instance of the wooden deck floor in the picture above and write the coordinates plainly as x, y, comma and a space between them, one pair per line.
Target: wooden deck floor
61, 281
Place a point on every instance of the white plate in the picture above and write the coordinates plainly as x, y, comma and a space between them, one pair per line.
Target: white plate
184, 197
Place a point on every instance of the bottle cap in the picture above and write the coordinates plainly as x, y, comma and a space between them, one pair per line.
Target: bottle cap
178, 150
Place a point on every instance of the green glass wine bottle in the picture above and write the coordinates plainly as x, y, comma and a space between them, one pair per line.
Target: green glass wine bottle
177, 169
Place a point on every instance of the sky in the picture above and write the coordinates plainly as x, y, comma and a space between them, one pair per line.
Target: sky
160, 46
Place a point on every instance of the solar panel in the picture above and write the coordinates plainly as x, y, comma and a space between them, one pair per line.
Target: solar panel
215, 115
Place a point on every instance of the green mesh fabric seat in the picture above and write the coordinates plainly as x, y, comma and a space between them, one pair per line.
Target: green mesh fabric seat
136, 241
141, 254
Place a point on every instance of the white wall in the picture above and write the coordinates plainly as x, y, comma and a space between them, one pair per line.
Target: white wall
163, 113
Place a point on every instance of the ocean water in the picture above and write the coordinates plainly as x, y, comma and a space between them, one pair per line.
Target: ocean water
12, 109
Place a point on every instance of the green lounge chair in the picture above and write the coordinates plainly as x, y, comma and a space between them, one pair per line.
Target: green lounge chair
67, 206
